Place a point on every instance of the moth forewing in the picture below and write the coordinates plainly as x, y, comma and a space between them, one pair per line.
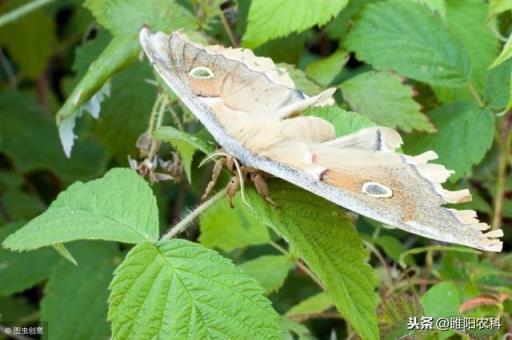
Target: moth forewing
250, 107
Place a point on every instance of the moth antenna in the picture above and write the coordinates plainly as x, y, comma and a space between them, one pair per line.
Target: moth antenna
212, 156
240, 175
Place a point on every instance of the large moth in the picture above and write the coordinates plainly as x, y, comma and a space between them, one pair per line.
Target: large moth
252, 109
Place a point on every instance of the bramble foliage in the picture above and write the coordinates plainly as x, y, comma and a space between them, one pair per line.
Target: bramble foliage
86, 247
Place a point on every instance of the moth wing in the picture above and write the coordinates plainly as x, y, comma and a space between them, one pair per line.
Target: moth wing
396, 189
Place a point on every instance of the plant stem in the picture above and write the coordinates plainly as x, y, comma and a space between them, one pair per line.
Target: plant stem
299, 264
155, 121
187, 221
505, 141
231, 35
475, 94
17, 13
381, 259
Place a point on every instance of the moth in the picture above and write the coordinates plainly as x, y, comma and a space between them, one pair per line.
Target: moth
253, 111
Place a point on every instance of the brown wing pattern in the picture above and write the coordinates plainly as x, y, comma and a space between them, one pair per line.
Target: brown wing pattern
256, 103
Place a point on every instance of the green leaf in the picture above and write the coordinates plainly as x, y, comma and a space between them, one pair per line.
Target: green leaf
441, 300
20, 205
229, 229
386, 100
325, 70
14, 309
183, 289
25, 270
465, 133
467, 21
29, 138
345, 122
338, 27
394, 313
291, 328
497, 7
86, 285
86, 96
30, 39
497, 87
126, 112
322, 235
407, 37
505, 53
302, 82
274, 19
118, 207
270, 271
170, 134
126, 17
312, 305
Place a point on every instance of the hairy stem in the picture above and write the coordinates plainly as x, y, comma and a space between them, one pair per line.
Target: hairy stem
155, 121
187, 221
230, 32
504, 143
17, 13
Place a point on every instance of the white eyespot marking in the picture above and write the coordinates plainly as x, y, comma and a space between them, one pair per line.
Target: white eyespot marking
201, 72
378, 190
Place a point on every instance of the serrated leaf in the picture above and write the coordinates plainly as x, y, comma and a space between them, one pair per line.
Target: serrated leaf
497, 88
466, 20
441, 300
321, 234
183, 289
126, 112
394, 313
270, 271
312, 305
118, 207
465, 133
25, 270
30, 39
505, 53
274, 19
324, 71
228, 229
345, 122
386, 100
407, 37
86, 285
29, 138
338, 27
126, 17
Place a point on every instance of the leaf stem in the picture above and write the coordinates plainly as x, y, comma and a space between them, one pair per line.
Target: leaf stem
155, 121
17, 13
187, 221
475, 95
299, 264
231, 35
504, 144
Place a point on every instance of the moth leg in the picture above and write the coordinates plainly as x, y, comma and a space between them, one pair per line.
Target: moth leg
233, 186
261, 186
217, 168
